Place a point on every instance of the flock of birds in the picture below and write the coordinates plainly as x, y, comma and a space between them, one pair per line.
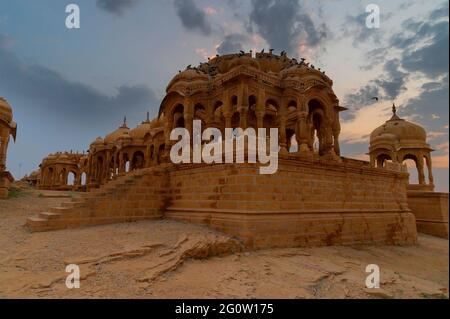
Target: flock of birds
211, 69
293, 62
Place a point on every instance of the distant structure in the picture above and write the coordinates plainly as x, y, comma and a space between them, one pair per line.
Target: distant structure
56, 168
399, 140
317, 197
7, 128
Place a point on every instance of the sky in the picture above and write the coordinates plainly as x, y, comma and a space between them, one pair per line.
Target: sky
68, 86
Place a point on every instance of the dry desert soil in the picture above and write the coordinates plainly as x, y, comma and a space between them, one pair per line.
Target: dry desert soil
168, 259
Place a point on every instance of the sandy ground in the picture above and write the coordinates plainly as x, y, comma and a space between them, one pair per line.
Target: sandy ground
167, 259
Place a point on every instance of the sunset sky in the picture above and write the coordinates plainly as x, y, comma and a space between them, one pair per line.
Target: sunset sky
68, 86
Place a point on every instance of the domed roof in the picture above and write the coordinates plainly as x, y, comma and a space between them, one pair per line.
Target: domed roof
5, 111
124, 136
399, 130
244, 60
295, 70
190, 75
98, 141
142, 129
112, 137
385, 137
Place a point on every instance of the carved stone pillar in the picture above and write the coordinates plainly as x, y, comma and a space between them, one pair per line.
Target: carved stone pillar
242, 106
243, 112
227, 111
4, 140
260, 107
430, 171
336, 132
303, 132
420, 170
283, 141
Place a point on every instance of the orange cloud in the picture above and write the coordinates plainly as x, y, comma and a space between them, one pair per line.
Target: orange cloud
210, 10
441, 161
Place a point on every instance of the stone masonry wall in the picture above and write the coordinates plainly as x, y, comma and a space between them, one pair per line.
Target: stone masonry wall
431, 212
309, 202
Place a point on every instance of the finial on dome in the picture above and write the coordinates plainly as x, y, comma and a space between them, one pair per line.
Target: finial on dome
394, 113
124, 122
148, 116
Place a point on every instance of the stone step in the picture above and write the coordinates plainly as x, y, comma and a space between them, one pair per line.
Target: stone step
36, 224
49, 216
68, 204
61, 210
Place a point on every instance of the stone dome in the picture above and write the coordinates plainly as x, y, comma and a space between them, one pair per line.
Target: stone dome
401, 129
244, 60
142, 129
384, 138
5, 111
98, 141
112, 137
124, 136
399, 133
191, 75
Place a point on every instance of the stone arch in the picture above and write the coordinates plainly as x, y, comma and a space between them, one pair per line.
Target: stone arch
271, 112
235, 120
411, 162
178, 116
161, 149
125, 163
71, 178
138, 160
234, 102
382, 158
251, 114
290, 138
83, 179
291, 106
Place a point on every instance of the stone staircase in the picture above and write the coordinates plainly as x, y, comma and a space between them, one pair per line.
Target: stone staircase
135, 196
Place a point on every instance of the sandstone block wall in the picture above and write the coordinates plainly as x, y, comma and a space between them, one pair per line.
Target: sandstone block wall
309, 202
431, 212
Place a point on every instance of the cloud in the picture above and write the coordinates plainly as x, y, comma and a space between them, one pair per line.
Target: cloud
192, 17
386, 87
363, 122
431, 59
424, 51
442, 160
355, 26
424, 43
50, 92
116, 7
432, 99
232, 43
362, 97
393, 84
441, 12
285, 25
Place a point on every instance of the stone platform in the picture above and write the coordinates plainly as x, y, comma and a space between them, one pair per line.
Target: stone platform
308, 202
431, 212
